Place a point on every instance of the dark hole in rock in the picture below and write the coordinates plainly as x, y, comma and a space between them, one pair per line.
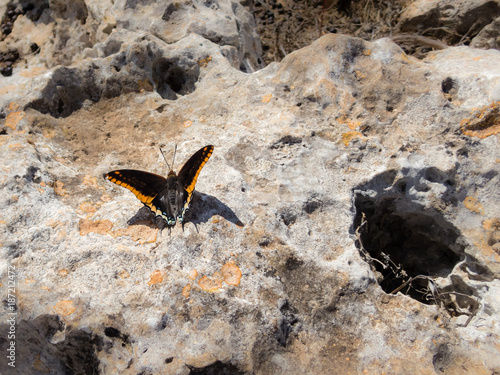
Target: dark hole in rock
288, 320
406, 244
172, 80
69, 88
30, 174
216, 368
411, 242
265, 241
447, 85
112, 332
7, 59
293, 263
7, 71
66, 91
34, 48
286, 140
312, 205
211, 4
284, 330
288, 217
433, 174
171, 9
176, 79
33, 9
75, 354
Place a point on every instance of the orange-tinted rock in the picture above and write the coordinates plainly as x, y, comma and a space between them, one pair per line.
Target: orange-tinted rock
231, 273
64, 308
155, 278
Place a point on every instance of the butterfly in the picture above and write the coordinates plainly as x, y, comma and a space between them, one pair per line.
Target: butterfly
169, 197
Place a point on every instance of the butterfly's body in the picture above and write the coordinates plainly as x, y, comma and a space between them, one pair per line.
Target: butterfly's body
173, 198
169, 197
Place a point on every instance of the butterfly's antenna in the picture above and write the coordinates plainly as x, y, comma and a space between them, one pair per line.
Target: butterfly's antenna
168, 165
173, 159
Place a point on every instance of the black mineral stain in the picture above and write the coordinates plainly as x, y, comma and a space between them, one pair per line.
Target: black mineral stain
354, 49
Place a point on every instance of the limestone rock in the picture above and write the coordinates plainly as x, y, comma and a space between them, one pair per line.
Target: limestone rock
450, 19
67, 30
489, 37
347, 221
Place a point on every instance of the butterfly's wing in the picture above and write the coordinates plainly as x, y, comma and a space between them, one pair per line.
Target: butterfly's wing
144, 185
190, 171
165, 197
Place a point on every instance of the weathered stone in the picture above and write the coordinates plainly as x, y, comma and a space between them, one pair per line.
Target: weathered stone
488, 37
348, 219
442, 18
68, 30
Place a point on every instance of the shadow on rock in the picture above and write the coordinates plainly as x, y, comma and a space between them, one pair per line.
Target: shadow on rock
202, 208
44, 345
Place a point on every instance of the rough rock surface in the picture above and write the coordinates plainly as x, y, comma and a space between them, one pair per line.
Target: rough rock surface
347, 221
452, 20
489, 37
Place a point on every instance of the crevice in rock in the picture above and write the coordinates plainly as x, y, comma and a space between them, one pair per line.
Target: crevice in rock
172, 80
7, 60
169, 11
57, 351
447, 84
288, 216
313, 204
78, 352
70, 87
410, 246
114, 333
216, 368
287, 321
33, 9
66, 91
286, 141
449, 87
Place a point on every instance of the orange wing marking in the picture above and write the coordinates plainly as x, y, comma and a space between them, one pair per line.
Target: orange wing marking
146, 199
190, 187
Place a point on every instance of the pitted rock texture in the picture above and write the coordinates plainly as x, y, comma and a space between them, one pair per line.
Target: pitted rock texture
347, 221
70, 32
455, 19
489, 37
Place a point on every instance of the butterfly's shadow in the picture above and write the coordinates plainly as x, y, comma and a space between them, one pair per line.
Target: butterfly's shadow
202, 208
